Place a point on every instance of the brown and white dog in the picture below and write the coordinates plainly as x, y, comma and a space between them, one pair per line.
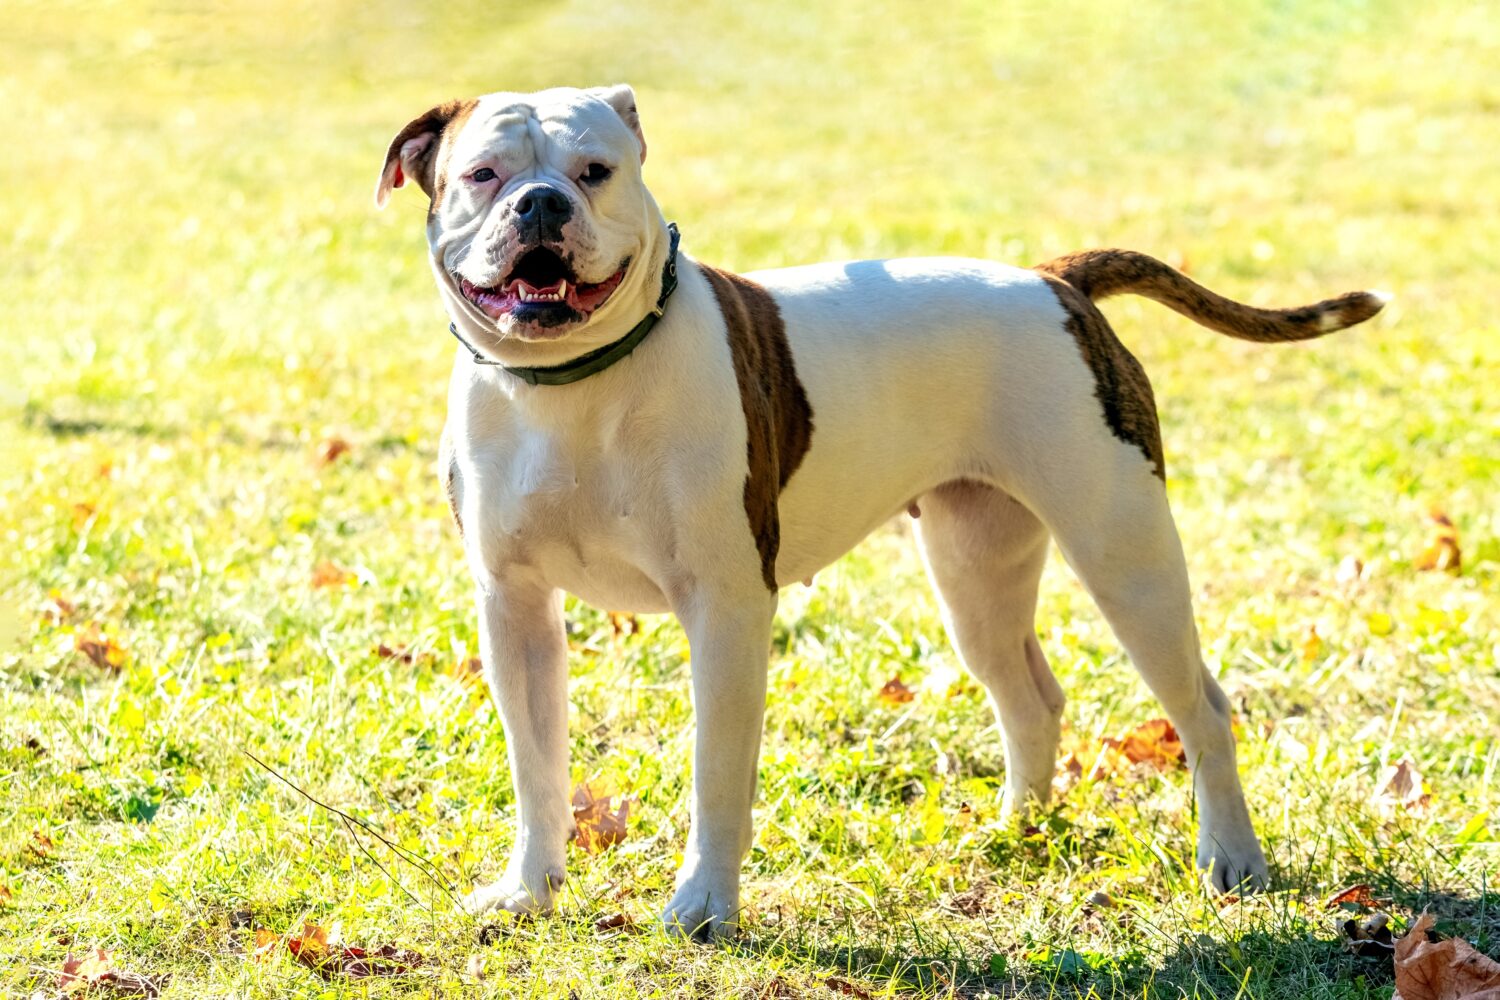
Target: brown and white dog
765, 426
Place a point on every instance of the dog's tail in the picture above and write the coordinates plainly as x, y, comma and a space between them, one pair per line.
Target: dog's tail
1102, 273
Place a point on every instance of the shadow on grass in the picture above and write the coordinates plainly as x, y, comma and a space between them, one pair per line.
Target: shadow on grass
1292, 955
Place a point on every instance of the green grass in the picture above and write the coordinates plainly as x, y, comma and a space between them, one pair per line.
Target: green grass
196, 293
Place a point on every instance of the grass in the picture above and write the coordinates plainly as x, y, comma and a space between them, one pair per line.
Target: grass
198, 296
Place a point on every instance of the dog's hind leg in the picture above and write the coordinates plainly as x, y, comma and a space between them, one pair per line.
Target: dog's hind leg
985, 552
1110, 516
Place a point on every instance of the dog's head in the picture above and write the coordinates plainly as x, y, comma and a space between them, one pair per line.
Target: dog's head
539, 223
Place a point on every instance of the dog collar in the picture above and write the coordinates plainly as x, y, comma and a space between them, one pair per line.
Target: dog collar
600, 358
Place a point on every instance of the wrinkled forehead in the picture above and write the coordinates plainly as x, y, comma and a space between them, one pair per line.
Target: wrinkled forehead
543, 127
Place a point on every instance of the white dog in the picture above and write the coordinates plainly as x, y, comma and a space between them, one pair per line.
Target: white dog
652, 434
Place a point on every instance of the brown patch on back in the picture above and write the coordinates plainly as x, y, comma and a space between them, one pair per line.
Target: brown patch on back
1120, 383
778, 419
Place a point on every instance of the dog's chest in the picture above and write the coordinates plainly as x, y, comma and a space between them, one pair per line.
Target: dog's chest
576, 508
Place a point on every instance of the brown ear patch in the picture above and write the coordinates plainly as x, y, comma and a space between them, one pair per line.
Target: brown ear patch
778, 419
427, 168
1120, 383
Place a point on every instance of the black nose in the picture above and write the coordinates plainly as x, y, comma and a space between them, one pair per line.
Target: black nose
545, 208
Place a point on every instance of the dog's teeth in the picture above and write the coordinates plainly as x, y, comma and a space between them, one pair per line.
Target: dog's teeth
562, 289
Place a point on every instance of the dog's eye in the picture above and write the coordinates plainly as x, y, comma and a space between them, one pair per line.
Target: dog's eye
597, 173
482, 176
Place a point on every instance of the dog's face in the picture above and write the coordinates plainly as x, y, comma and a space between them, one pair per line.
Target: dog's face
537, 207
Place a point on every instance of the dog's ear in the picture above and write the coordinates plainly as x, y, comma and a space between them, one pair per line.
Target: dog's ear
622, 99
413, 153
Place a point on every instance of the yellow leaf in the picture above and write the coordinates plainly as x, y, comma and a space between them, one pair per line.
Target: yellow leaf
1443, 553
598, 827
1381, 623
894, 692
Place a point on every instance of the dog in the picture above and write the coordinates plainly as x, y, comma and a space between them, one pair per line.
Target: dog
653, 434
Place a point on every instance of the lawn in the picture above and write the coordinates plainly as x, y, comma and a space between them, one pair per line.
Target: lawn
225, 378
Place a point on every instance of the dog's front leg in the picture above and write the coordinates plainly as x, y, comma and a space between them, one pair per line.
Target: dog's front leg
729, 636
524, 649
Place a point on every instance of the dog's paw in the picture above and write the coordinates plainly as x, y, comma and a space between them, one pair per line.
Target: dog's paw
513, 895
1232, 864
704, 908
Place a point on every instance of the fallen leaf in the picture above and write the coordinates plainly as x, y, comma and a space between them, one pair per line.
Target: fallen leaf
1400, 785
614, 922
1355, 895
389, 653
1154, 742
598, 826
330, 449
848, 989
1443, 553
35, 746
972, 902
57, 608
1442, 970
328, 573
895, 693
474, 967
6, 897
265, 943
1101, 900
623, 624
82, 514
96, 972
105, 653
1311, 644
319, 949
40, 845
1367, 938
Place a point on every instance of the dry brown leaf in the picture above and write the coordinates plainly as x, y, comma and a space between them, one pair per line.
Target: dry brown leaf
614, 922
57, 609
1355, 895
1155, 742
1443, 553
6, 897
328, 573
623, 624
320, 950
105, 653
598, 827
40, 845
848, 989
330, 449
385, 652
1368, 938
1400, 785
1442, 970
96, 972
894, 692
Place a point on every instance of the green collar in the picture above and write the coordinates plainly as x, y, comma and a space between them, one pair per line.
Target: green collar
600, 358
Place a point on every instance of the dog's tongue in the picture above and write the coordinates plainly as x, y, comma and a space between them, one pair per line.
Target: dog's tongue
587, 298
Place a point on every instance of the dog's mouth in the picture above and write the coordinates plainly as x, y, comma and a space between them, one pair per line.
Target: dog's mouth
542, 289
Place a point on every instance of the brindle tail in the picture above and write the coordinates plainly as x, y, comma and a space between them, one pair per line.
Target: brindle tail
1102, 273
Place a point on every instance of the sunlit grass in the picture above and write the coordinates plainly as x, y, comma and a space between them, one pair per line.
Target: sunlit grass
197, 292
